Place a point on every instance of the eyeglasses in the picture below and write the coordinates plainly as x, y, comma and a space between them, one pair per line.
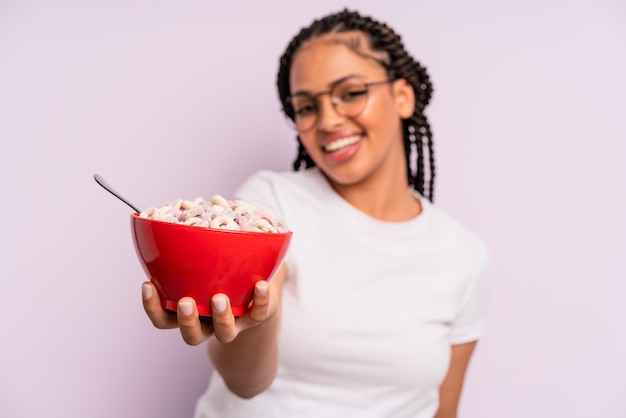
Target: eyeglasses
348, 97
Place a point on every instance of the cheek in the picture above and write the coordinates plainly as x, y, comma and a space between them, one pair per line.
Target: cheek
382, 118
309, 142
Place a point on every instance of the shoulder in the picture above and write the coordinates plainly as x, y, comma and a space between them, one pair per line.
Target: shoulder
280, 191
281, 185
283, 178
468, 244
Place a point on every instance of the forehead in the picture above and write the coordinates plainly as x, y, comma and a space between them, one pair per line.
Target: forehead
324, 59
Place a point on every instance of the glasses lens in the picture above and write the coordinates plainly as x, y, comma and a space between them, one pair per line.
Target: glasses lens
305, 111
349, 97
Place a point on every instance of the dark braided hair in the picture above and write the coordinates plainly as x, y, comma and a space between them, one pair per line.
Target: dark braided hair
398, 64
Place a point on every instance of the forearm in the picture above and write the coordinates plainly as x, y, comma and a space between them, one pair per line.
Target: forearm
450, 389
249, 363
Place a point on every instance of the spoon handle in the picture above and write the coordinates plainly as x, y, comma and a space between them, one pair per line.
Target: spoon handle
102, 182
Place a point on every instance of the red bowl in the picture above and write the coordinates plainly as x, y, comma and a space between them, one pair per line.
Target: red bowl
199, 262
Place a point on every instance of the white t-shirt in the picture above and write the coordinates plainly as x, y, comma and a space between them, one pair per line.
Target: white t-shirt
370, 308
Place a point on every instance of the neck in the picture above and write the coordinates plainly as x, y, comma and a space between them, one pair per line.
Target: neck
385, 196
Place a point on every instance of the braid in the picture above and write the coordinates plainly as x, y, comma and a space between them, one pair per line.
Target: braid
302, 158
399, 64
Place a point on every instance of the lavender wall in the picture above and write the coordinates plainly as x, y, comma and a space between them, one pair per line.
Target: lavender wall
176, 99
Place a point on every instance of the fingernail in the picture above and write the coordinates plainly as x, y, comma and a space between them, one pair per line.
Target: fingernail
185, 308
146, 291
261, 290
219, 304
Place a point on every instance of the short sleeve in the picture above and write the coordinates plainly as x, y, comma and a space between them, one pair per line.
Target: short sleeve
469, 324
260, 191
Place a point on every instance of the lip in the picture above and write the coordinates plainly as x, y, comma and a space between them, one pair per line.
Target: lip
345, 153
328, 140
337, 136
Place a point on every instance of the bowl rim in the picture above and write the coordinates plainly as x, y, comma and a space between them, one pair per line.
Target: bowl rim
136, 216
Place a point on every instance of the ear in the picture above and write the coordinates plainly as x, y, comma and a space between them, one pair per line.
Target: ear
404, 97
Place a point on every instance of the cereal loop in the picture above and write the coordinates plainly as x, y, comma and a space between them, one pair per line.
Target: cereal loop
217, 213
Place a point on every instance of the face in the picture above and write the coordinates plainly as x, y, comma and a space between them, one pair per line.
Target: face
351, 149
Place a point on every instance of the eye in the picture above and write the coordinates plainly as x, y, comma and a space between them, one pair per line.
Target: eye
353, 94
307, 109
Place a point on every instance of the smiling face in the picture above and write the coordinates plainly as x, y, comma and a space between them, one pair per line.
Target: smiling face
351, 150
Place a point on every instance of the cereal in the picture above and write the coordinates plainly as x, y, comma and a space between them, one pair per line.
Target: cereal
217, 213
263, 225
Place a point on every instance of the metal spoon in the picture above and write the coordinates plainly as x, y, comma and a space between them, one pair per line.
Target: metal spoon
102, 182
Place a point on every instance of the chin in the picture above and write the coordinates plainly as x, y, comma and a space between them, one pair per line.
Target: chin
343, 178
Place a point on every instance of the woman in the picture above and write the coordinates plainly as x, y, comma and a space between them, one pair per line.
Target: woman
381, 299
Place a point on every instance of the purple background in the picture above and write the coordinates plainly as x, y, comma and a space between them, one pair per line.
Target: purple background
176, 99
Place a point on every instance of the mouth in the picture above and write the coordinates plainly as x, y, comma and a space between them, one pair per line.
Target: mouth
341, 144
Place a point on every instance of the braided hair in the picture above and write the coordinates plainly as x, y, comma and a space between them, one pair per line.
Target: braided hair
417, 135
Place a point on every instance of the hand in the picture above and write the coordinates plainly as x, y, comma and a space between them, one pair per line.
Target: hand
195, 329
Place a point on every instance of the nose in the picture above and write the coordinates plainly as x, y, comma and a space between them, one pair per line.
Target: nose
328, 117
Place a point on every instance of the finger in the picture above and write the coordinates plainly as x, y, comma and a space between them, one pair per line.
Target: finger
259, 311
192, 330
160, 318
223, 319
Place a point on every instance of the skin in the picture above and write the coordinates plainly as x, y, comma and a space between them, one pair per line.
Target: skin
452, 385
373, 179
245, 349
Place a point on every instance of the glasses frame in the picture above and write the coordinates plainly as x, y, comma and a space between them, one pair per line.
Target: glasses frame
333, 101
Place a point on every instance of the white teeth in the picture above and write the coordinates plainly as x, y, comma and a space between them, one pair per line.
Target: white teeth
342, 143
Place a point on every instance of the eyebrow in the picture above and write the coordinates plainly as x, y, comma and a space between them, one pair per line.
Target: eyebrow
330, 86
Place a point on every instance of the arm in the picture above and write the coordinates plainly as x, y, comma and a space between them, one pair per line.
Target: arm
248, 363
245, 349
450, 389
